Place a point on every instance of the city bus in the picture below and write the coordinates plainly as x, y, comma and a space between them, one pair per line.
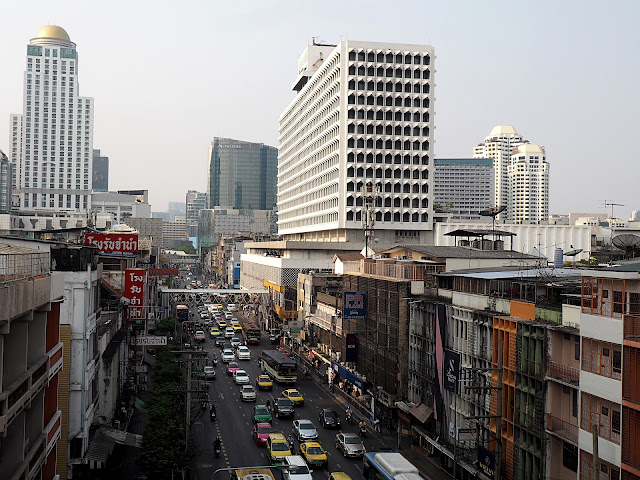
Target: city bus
182, 312
278, 366
251, 333
252, 474
388, 466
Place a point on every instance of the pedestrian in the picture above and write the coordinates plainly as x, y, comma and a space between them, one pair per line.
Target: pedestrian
389, 421
376, 425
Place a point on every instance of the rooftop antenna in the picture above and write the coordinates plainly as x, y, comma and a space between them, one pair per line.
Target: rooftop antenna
493, 213
612, 204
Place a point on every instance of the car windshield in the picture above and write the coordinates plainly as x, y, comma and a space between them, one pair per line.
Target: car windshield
314, 451
241, 374
265, 429
351, 440
262, 411
307, 426
280, 446
208, 369
285, 403
294, 393
330, 414
301, 470
233, 365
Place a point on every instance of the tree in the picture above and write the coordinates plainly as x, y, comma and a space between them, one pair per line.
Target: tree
187, 248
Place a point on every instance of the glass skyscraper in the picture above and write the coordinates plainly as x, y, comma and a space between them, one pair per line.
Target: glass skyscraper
242, 175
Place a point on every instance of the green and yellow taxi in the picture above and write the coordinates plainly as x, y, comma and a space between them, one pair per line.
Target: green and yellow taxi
314, 454
264, 382
295, 396
277, 448
260, 414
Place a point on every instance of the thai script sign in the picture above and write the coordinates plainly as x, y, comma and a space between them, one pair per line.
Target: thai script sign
355, 305
148, 340
113, 242
134, 292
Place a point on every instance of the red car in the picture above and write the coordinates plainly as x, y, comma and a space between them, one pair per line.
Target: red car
260, 433
283, 351
232, 367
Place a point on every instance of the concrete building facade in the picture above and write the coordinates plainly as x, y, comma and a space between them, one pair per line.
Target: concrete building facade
463, 186
362, 115
528, 178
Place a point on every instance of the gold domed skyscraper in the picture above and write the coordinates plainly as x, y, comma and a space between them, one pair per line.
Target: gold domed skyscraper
53, 138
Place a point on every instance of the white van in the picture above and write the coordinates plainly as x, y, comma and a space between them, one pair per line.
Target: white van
301, 473
232, 307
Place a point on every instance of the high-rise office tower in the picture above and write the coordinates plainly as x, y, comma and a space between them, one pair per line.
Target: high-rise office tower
100, 172
6, 172
195, 201
499, 146
528, 177
54, 172
242, 175
463, 187
362, 115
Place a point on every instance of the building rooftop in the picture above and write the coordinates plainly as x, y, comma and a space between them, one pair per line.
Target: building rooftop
301, 245
478, 232
489, 273
501, 130
348, 257
466, 252
53, 31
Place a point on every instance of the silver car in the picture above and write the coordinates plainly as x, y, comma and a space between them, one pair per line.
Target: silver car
304, 430
350, 445
248, 393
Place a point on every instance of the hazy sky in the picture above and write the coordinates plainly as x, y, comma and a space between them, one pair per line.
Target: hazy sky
167, 76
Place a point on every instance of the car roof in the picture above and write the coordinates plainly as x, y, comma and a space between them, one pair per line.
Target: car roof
240, 371
304, 420
295, 460
340, 476
277, 436
312, 444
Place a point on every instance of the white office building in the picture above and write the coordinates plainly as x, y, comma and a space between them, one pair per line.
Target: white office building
52, 141
499, 146
463, 187
363, 113
528, 177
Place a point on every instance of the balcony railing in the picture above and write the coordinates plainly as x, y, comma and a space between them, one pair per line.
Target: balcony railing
562, 428
564, 373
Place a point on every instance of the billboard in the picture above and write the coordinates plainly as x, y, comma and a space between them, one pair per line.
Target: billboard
451, 371
134, 293
486, 462
351, 347
113, 242
355, 305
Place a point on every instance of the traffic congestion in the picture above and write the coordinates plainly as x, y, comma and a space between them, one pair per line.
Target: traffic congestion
264, 411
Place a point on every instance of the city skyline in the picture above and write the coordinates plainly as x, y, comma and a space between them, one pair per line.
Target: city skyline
562, 74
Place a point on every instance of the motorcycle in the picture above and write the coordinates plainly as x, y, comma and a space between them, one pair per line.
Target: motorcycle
349, 417
217, 447
214, 359
363, 431
212, 413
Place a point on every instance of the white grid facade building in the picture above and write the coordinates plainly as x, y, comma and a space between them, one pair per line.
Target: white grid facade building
363, 114
56, 144
528, 175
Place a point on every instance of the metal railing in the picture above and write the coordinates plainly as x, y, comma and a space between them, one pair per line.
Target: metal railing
17, 263
562, 428
564, 373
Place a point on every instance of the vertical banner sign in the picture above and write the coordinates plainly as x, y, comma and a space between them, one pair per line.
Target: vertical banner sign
451, 370
354, 305
134, 292
486, 462
352, 348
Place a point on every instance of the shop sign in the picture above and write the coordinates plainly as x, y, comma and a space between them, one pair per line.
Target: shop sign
486, 462
354, 305
113, 242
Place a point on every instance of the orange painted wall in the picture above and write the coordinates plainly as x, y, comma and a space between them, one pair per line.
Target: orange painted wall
524, 310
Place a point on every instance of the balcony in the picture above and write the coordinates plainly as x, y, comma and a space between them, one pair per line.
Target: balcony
561, 428
564, 373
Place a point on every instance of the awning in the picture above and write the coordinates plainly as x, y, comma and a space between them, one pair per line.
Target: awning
349, 376
100, 448
421, 412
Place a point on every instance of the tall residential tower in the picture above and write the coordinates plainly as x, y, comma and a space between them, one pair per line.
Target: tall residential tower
55, 131
363, 114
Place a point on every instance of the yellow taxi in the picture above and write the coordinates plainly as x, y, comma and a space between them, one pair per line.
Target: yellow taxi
295, 396
339, 476
222, 324
314, 454
236, 327
264, 382
277, 448
214, 332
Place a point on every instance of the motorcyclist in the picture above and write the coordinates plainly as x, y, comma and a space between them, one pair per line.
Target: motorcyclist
348, 412
268, 404
217, 444
290, 439
362, 426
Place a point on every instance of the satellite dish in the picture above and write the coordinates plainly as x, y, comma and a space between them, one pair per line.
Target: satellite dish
573, 253
627, 241
492, 212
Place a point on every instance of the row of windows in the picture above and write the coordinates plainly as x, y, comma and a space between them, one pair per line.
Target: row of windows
397, 87
52, 198
389, 72
388, 115
388, 159
388, 173
386, 187
381, 57
388, 202
391, 217
387, 144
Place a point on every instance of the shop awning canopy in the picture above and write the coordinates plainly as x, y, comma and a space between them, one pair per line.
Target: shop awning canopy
421, 412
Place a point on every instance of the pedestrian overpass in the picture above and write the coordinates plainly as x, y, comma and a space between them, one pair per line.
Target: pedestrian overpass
211, 295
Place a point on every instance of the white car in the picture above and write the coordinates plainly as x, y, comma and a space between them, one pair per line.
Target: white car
304, 430
248, 393
241, 377
235, 342
301, 473
229, 332
232, 307
228, 356
243, 353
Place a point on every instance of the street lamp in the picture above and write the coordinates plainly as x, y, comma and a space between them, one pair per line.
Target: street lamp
287, 468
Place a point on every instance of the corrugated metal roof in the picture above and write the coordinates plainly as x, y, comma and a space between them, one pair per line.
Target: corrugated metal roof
517, 273
442, 251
